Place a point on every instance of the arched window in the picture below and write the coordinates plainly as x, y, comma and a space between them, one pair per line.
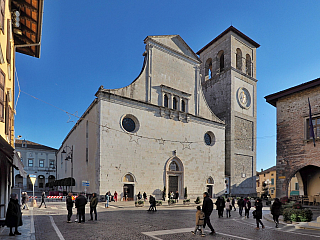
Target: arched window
221, 61
239, 59
174, 103
173, 166
183, 106
248, 65
208, 69
128, 178
165, 101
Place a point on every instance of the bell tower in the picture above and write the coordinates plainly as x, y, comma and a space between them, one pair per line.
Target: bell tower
228, 78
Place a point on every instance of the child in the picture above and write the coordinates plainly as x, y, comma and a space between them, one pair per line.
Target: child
199, 221
228, 208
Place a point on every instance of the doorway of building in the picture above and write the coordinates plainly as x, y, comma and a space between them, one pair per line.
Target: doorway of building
210, 190
173, 184
128, 192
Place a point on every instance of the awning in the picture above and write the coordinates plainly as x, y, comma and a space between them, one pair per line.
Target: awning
19, 165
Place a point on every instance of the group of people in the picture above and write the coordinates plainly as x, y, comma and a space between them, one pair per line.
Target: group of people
203, 216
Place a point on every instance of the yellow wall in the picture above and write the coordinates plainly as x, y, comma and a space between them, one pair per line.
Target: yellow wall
7, 68
264, 177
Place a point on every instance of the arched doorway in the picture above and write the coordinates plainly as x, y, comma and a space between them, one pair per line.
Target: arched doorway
18, 181
174, 175
41, 181
51, 178
128, 187
210, 183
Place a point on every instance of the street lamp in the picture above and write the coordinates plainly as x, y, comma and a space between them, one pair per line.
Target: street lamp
68, 156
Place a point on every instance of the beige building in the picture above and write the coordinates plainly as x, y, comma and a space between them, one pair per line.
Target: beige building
159, 131
20, 31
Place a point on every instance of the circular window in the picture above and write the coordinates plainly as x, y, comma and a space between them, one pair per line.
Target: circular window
130, 123
209, 138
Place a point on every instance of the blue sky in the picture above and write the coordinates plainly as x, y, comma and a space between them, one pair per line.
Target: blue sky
86, 45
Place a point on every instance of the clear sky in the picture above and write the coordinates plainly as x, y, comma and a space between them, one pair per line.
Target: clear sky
86, 44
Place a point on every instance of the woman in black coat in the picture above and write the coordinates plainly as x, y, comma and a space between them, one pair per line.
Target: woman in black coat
275, 211
13, 216
258, 205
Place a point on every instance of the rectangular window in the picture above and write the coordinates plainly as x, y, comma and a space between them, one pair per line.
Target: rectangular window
272, 181
52, 164
316, 127
41, 163
2, 80
3, 5
296, 186
30, 162
272, 191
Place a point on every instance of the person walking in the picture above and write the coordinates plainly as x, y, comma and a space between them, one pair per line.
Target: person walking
240, 205
69, 203
233, 202
247, 207
43, 196
220, 203
13, 216
25, 199
177, 196
275, 211
199, 222
207, 208
144, 196
93, 206
228, 208
115, 196
258, 205
152, 202
139, 196
80, 203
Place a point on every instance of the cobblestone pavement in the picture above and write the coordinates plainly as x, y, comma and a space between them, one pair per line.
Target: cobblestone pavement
124, 221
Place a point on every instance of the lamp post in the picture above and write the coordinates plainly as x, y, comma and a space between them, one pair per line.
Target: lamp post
68, 156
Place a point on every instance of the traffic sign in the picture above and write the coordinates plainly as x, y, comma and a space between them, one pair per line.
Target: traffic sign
85, 183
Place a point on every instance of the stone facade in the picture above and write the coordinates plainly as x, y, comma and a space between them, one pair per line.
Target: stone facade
229, 84
296, 154
157, 132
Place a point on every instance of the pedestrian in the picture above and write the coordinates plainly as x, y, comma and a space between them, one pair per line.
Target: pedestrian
228, 208
125, 195
115, 196
25, 199
207, 208
43, 196
139, 196
93, 206
275, 211
144, 196
240, 205
107, 201
247, 207
14, 216
220, 203
233, 202
152, 202
69, 203
199, 222
171, 195
177, 196
80, 203
258, 215
163, 195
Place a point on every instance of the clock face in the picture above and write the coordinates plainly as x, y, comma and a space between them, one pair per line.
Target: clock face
244, 98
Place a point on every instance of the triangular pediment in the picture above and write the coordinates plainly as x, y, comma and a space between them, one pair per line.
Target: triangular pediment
174, 42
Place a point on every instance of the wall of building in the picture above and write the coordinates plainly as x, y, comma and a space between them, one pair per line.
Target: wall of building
294, 150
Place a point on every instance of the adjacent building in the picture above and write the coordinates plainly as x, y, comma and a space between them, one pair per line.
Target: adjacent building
185, 123
297, 151
39, 160
20, 30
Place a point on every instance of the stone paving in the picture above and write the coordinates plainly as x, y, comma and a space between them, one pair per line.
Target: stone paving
124, 221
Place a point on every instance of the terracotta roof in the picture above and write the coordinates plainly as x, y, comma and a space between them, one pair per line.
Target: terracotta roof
29, 32
233, 29
267, 170
273, 98
18, 143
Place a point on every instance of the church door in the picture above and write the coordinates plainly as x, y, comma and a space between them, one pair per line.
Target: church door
173, 184
210, 190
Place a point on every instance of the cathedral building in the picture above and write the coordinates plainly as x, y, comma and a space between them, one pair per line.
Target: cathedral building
187, 123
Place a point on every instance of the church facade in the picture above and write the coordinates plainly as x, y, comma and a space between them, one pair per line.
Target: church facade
162, 131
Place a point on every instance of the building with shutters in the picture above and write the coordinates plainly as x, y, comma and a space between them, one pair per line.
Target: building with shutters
20, 31
163, 131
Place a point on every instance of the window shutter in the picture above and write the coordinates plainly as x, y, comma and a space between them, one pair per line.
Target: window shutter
8, 41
